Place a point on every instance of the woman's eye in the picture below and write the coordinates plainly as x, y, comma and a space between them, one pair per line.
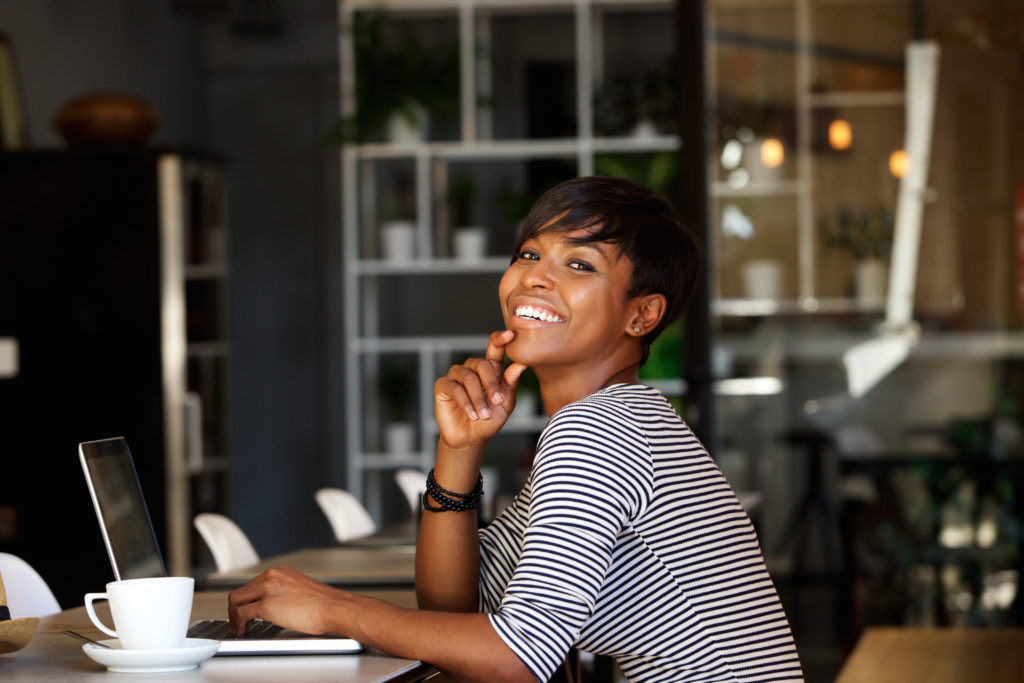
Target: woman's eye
582, 266
526, 255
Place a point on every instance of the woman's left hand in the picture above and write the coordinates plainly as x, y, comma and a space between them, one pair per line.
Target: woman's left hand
288, 598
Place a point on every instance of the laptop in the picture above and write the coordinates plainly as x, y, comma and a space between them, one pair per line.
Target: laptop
135, 554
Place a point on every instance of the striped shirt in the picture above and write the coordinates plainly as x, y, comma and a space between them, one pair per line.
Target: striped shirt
627, 541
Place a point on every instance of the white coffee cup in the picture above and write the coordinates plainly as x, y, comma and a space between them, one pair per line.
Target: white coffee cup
149, 614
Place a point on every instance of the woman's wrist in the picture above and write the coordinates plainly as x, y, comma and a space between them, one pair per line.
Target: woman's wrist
457, 469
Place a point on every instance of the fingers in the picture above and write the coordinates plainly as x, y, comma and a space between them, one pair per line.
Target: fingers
512, 374
491, 374
476, 385
496, 344
244, 604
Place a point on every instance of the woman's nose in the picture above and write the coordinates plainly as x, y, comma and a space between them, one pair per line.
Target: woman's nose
537, 275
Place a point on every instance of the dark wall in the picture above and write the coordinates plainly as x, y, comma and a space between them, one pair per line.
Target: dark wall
262, 97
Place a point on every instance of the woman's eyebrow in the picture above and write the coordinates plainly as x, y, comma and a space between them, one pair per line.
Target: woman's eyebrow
600, 247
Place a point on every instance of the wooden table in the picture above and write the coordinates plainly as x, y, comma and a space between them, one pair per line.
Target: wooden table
353, 567
946, 655
54, 656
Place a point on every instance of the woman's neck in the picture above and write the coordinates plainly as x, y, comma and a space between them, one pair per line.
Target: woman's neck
560, 388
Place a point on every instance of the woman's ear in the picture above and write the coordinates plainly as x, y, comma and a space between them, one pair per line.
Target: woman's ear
649, 310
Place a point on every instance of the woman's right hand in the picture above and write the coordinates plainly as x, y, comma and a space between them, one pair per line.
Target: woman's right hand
473, 401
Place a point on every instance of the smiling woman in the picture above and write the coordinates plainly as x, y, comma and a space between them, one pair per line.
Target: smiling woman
626, 540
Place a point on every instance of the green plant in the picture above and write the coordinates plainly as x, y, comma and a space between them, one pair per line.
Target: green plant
866, 234
655, 170
394, 75
624, 99
460, 199
515, 205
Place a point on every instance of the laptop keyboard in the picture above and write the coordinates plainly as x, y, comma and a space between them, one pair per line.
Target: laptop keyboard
220, 629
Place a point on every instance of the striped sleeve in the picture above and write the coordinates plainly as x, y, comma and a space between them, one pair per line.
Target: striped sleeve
591, 477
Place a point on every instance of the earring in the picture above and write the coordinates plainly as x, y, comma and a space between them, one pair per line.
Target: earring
636, 330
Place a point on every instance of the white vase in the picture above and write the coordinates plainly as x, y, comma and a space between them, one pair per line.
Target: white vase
401, 131
400, 438
398, 240
470, 243
763, 279
644, 129
870, 282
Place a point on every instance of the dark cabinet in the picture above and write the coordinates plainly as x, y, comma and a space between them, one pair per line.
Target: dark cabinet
113, 289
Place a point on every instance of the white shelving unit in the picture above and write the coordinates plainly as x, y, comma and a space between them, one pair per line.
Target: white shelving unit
430, 163
196, 346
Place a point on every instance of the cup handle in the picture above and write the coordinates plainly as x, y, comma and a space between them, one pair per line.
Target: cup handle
89, 597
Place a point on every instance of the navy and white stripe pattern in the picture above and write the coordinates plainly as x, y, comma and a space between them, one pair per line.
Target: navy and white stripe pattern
627, 541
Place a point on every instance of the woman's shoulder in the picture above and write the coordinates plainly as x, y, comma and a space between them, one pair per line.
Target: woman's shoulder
626, 402
619, 412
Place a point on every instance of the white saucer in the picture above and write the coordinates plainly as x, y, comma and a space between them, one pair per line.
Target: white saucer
184, 658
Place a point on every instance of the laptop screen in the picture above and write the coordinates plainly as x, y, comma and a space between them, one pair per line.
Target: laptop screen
121, 509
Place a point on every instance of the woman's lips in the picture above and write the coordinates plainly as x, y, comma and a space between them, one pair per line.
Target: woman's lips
529, 312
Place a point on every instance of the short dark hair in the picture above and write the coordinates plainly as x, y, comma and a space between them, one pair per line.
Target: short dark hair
646, 228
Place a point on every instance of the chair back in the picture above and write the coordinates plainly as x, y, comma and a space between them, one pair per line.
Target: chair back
348, 518
230, 547
413, 484
28, 594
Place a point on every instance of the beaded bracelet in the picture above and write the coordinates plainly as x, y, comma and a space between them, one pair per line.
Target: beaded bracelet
448, 500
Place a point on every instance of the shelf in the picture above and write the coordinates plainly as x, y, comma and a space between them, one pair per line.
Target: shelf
390, 461
857, 98
731, 386
446, 7
807, 305
466, 343
436, 266
818, 347
763, 188
472, 150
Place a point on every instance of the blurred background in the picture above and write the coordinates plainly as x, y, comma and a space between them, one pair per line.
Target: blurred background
248, 234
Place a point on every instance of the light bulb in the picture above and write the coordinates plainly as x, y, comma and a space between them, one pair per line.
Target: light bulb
772, 153
899, 163
840, 134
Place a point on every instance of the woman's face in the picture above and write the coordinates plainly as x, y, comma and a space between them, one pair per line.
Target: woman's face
566, 302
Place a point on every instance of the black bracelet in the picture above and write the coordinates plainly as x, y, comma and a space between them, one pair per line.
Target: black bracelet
448, 500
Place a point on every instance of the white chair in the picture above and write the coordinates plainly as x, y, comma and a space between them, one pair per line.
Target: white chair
230, 547
28, 594
413, 484
348, 518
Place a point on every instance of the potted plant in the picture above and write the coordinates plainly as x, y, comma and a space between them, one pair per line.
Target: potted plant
867, 236
640, 103
396, 381
655, 170
469, 240
399, 83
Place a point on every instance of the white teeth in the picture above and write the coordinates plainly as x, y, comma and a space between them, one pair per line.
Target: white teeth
537, 314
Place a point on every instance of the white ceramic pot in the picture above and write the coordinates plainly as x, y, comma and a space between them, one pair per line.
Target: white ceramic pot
400, 438
763, 279
401, 131
470, 243
398, 240
870, 282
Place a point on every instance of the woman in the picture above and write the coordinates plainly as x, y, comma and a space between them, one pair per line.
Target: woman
626, 540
